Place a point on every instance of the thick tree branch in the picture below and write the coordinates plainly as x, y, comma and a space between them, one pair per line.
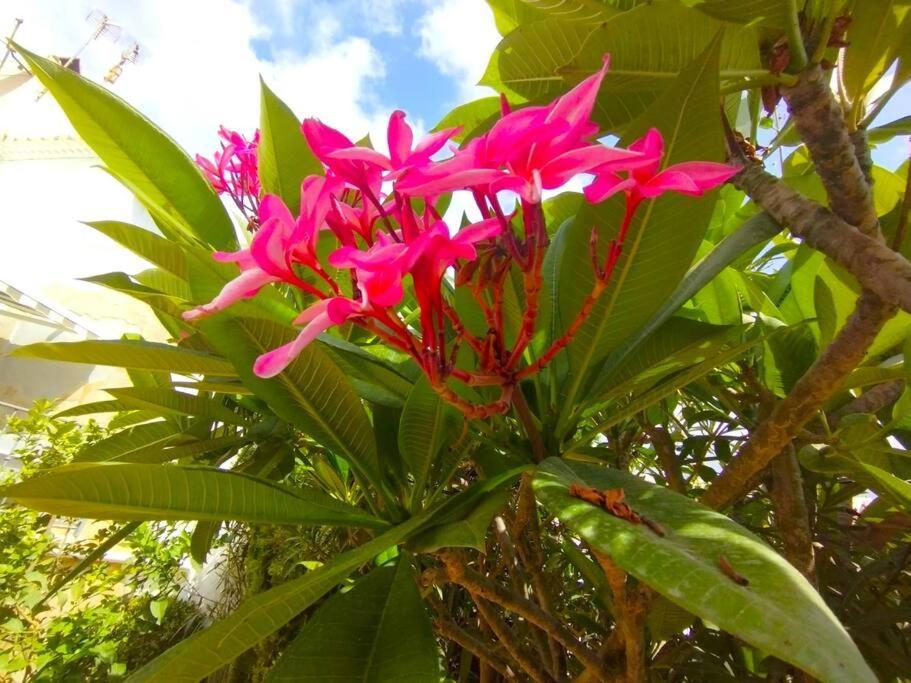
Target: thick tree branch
667, 455
871, 401
820, 121
809, 395
630, 607
791, 515
876, 266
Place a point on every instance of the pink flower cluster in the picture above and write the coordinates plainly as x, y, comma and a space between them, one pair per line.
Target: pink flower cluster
380, 212
234, 170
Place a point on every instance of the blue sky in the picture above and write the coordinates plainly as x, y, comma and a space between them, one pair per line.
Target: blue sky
412, 81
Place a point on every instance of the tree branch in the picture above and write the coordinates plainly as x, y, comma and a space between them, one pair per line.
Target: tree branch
876, 266
871, 401
630, 606
472, 642
791, 515
820, 121
481, 588
809, 394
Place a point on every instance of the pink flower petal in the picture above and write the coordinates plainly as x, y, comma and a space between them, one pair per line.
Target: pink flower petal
670, 181
244, 286
400, 138
561, 169
606, 185
369, 156
273, 362
706, 174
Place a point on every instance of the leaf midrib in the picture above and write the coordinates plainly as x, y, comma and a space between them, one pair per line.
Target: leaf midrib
589, 352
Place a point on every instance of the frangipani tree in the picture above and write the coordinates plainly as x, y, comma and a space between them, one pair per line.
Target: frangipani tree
612, 435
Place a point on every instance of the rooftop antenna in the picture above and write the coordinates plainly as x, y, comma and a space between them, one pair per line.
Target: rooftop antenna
129, 56
103, 27
9, 39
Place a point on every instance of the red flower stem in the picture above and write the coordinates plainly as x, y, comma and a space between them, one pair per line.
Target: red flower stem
318, 269
475, 343
532, 280
480, 200
367, 192
509, 237
587, 305
474, 411
474, 379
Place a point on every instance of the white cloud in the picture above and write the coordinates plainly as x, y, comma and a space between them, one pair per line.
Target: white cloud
198, 68
459, 36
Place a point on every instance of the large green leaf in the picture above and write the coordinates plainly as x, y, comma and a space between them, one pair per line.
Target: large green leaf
376, 632
756, 230
137, 441
132, 492
716, 358
428, 424
149, 162
285, 158
895, 488
877, 31
145, 244
129, 353
175, 402
779, 612
662, 240
312, 393
777, 13
468, 532
265, 613
683, 34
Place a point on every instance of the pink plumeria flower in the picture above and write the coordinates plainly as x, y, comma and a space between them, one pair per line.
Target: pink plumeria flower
541, 148
435, 250
235, 169
280, 242
316, 319
403, 153
379, 269
647, 181
325, 141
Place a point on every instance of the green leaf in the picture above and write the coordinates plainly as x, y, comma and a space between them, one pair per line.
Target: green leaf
128, 353
756, 230
469, 532
285, 158
378, 631
662, 240
678, 344
265, 613
91, 409
148, 161
145, 244
877, 31
775, 13
172, 402
779, 612
891, 130
428, 424
312, 393
472, 117
131, 492
895, 488
372, 377
135, 442
180, 450
624, 411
